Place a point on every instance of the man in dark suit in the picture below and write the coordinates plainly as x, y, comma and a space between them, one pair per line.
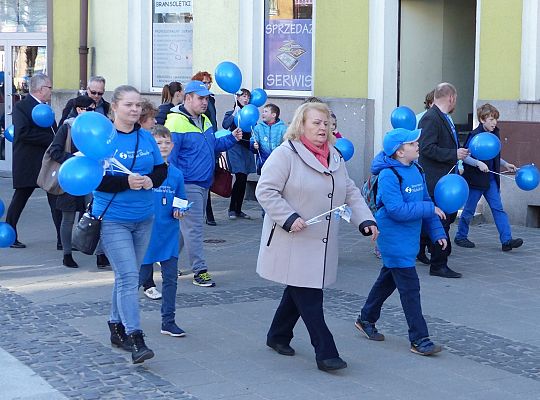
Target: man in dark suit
439, 153
95, 90
29, 144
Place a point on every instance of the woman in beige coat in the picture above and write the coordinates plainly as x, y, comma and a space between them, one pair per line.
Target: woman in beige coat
304, 177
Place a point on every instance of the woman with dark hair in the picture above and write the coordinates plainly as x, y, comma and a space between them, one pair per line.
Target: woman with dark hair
126, 205
211, 113
240, 158
67, 203
171, 95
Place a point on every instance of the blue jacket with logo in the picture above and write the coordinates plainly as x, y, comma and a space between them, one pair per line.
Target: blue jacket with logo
403, 208
194, 150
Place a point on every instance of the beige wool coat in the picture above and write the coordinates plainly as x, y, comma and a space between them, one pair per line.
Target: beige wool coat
294, 181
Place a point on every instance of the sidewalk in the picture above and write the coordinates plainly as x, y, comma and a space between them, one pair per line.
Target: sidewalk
54, 336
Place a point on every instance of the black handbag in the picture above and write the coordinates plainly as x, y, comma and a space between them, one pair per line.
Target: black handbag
88, 230
87, 233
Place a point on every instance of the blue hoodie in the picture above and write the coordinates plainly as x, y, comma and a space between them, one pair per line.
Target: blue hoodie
403, 209
269, 138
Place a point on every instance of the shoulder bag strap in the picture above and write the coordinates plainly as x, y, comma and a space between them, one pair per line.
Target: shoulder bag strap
67, 146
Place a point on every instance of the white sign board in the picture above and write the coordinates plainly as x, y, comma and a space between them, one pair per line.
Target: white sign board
172, 53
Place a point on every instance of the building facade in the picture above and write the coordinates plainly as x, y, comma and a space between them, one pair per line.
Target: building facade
364, 57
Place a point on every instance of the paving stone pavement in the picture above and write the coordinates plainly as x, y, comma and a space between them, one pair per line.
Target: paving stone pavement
53, 323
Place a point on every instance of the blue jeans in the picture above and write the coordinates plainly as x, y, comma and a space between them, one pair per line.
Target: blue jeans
407, 283
169, 273
192, 227
493, 198
125, 244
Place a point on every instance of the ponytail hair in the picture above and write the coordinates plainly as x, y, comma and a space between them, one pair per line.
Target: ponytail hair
169, 90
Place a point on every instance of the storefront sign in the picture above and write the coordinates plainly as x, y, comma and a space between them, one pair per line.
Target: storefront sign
173, 7
287, 54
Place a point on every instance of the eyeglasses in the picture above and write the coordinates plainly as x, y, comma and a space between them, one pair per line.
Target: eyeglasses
207, 83
89, 108
96, 93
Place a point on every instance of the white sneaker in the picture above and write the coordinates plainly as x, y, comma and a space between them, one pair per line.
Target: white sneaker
152, 293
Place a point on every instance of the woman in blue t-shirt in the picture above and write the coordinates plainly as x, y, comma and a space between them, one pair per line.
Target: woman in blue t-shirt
126, 204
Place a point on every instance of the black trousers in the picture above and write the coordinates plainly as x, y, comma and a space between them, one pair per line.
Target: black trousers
18, 202
238, 192
209, 211
439, 257
306, 303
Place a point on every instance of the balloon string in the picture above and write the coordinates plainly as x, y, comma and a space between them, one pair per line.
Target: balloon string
114, 163
449, 172
506, 176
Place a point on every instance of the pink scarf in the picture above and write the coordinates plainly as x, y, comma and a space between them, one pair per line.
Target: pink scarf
320, 153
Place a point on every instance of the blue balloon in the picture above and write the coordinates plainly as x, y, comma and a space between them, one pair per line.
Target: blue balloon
248, 117
43, 115
258, 97
2, 208
403, 117
485, 146
345, 147
222, 133
228, 76
9, 133
7, 234
94, 135
528, 177
80, 175
451, 193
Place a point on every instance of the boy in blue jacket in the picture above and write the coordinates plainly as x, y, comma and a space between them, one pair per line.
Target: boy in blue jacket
267, 134
484, 183
163, 247
403, 205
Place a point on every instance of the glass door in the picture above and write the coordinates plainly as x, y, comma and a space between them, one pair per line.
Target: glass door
19, 60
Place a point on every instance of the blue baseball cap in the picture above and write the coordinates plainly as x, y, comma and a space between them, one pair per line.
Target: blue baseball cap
396, 137
197, 87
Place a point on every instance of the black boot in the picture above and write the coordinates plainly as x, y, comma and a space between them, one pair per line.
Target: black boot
118, 336
69, 262
102, 261
139, 351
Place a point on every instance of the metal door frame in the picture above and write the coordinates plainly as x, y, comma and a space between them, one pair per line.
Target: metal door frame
8, 41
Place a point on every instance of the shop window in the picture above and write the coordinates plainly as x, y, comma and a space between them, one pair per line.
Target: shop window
172, 42
23, 16
287, 64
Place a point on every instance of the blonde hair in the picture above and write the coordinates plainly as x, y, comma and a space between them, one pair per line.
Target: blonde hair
118, 94
296, 128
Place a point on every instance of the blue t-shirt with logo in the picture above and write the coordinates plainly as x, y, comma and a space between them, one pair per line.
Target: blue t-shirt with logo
130, 205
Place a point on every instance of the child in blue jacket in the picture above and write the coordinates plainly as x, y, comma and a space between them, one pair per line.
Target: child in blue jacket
484, 183
267, 134
404, 204
163, 247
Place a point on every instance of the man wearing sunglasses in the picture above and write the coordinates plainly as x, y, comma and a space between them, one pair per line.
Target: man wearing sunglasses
94, 90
